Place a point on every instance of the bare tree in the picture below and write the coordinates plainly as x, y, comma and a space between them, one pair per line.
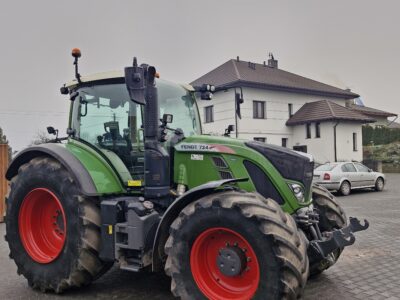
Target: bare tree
41, 137
3, 140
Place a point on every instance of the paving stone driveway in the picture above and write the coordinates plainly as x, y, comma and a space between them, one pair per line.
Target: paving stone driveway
370, 269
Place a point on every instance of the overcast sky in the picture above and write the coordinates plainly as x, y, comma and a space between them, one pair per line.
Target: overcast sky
349, 44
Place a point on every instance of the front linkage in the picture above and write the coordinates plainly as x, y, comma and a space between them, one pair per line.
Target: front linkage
322, 245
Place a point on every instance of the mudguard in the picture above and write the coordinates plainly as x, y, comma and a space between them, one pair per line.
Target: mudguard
173, 211
60, 153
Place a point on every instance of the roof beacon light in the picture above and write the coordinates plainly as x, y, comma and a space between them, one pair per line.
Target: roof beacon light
76, 53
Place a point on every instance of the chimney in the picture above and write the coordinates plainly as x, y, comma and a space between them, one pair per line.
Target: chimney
265, 63
272, 62
252, 65
237, 58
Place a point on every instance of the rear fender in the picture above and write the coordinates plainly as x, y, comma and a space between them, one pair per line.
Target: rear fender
173, 211
88, 186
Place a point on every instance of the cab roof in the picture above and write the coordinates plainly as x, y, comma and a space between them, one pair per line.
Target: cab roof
111, 75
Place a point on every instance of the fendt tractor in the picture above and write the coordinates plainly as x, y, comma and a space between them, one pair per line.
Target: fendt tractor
135, 183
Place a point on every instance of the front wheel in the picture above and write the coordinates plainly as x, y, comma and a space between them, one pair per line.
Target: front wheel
331, 217
53, 232
236, 245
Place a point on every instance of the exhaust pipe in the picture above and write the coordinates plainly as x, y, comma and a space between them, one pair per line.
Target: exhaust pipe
142, 89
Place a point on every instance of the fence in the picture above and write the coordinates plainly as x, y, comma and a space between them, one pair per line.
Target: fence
3, 181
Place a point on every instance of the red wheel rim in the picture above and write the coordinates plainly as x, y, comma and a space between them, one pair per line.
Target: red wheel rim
208, 276
42, 226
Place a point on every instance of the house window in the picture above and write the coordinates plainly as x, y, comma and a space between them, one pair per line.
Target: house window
260, 139
209, 114
308, 131
290, 109
259, 109
317, 130
284, 142
355, 141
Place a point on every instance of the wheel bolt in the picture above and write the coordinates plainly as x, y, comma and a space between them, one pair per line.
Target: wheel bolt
249, 259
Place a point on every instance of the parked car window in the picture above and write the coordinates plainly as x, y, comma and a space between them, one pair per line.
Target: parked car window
348, 168
361, 168
325, 168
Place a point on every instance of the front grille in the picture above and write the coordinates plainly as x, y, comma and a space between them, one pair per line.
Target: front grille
225, 175
262, 183
219, 162
289, 163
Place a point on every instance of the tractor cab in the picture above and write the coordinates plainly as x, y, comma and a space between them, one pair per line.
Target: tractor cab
103, 115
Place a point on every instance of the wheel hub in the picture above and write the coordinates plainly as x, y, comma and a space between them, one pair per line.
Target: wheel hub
42, 225
224, 265
231, 261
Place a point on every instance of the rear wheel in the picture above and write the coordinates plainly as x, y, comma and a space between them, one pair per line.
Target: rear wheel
331, 216
53, 232
235, 245
379, 184
345, 188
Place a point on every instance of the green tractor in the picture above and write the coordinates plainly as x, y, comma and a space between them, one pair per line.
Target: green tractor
136, 184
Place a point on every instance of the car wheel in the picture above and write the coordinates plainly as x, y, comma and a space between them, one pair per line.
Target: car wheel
345, 188
379, 184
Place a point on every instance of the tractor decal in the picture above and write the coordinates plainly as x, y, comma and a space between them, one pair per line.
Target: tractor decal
189, 147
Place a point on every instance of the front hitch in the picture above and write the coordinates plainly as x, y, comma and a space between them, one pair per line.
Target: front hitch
336, 239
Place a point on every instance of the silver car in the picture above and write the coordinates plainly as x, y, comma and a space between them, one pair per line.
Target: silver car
345, 176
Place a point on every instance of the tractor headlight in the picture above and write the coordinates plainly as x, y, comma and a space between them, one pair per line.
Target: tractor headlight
298, 191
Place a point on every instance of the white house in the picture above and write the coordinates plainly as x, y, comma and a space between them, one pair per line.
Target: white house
284, 109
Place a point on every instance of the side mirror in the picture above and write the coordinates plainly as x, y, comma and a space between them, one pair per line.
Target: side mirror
51, 130
136, 82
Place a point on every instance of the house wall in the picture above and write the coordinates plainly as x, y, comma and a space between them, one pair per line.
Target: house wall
345, 141
273, 127
321, 148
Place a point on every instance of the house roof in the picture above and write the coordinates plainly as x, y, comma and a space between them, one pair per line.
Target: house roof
325, 110
373, 112
242, 73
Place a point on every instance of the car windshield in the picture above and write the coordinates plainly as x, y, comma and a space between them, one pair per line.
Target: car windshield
327, 167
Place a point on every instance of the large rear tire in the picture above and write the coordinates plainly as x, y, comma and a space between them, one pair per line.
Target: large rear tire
331, 216
53, 232
236, 245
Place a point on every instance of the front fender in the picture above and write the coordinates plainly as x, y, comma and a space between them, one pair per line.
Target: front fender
173, 211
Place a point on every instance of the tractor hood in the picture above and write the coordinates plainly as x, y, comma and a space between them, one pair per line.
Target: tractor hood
292, 165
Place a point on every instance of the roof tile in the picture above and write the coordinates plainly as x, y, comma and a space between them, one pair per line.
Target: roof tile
234, 72
325, 110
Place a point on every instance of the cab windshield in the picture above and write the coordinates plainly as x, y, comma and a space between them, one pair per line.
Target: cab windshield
104, 116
